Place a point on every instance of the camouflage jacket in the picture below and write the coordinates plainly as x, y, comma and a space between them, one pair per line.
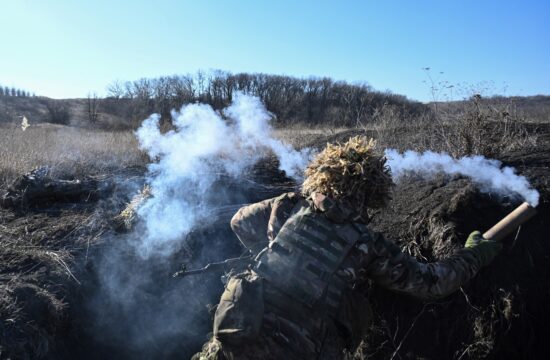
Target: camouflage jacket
371, 259
379, 260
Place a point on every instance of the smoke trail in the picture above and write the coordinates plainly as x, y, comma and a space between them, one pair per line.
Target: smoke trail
192, 157
488, 174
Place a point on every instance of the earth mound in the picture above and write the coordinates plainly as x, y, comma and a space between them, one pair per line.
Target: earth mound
501, 313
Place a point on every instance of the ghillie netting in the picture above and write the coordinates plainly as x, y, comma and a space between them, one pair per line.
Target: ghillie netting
351, 172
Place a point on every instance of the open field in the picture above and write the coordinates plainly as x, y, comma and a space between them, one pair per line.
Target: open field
68, 151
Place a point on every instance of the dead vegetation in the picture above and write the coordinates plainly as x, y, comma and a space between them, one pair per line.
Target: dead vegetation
65, 150
128, 217
34, 270
45, 239
472, 127
300, 136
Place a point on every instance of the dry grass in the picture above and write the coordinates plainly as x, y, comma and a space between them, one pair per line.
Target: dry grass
67, 150
126, 219
471, 127
29, 284
299, 136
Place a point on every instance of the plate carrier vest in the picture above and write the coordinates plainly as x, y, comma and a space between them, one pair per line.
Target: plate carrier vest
302, 259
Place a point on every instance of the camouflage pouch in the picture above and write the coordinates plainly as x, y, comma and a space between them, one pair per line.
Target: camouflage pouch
239, 314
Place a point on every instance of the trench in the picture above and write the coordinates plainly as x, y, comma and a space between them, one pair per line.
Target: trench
128, 307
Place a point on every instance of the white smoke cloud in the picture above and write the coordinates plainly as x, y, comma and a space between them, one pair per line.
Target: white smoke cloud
193, 156
254, 130
488, 174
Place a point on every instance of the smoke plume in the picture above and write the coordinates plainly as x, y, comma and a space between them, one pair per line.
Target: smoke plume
198, 168
488, 174
190, 158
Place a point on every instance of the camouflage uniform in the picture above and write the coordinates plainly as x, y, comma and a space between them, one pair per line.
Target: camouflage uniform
286, 309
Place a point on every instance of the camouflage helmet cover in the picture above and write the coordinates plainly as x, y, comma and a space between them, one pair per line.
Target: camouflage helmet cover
351, 172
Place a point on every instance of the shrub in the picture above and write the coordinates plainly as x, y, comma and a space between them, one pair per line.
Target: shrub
58, 112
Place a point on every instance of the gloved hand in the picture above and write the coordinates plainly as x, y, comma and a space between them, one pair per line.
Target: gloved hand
487, 249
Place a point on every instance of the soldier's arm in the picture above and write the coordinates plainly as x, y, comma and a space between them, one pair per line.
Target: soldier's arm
391, 268
250, 224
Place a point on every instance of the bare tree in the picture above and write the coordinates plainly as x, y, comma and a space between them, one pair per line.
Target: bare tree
311, 101
92, 108
116, 89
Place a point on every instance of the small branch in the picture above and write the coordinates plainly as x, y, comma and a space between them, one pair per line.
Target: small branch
468, 299
408, 331
515, 238
62, 263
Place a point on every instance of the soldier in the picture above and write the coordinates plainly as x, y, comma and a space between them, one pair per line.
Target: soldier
304, 295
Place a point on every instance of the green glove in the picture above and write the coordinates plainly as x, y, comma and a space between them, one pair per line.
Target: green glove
487, 249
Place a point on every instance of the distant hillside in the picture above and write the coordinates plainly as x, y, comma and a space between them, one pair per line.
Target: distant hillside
535, 108
309, 102
31, 107
66, 111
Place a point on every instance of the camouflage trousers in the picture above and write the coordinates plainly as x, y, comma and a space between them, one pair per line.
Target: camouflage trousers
269, 348
262, 348
247, 327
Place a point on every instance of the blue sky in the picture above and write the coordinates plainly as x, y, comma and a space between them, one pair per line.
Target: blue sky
69, 48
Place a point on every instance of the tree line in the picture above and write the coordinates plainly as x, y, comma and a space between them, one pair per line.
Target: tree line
14, 92
310, 101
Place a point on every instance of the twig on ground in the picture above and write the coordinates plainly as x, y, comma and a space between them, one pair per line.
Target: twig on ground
62, 263
395, 353
515, 238
468, 299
